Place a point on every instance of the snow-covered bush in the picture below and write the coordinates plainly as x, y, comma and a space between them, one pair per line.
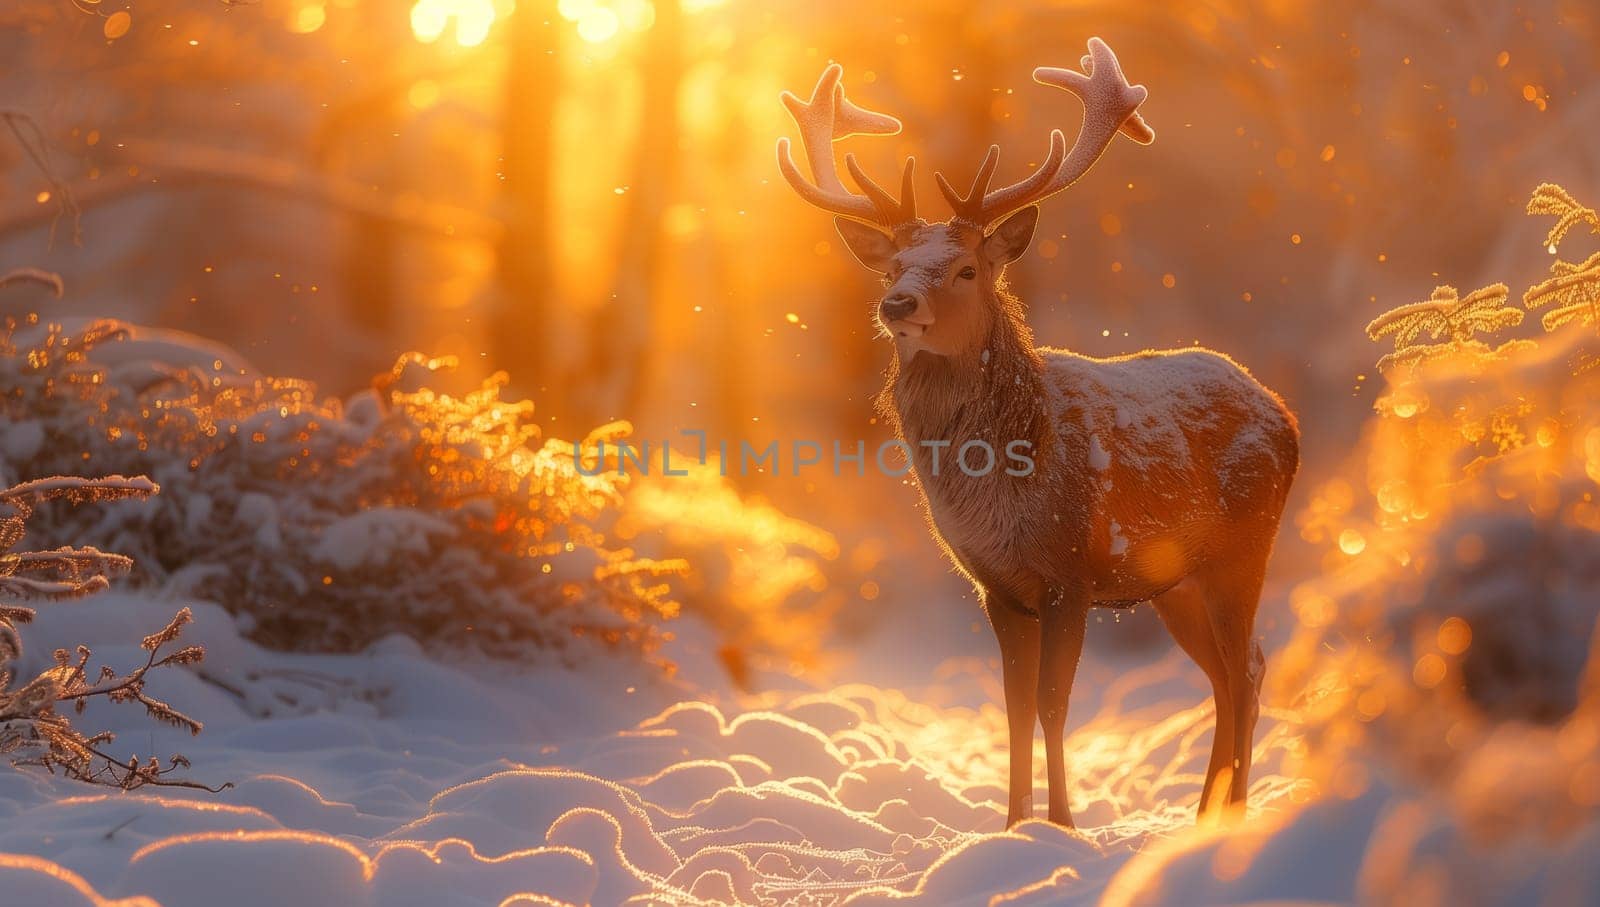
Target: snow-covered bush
1459, 595
32, 731
1449, 645
322, 523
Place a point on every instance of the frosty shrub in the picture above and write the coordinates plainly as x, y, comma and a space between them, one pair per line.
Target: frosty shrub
1461, 559
1453, 628
32, 731
327, 524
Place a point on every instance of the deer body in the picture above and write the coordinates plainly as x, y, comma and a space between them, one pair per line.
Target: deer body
1157, 477
1143, 465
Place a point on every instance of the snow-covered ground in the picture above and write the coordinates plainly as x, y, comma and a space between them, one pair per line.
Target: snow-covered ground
393, 777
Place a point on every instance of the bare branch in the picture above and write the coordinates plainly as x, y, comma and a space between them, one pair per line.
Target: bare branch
166, 166
31, 138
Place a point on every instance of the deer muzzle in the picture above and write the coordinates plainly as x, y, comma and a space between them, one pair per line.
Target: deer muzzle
904, 314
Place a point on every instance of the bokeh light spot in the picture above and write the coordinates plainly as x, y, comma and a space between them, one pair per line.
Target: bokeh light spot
117, 24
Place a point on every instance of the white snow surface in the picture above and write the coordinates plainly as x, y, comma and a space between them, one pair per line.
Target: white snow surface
399, 777
396, 777
372, 538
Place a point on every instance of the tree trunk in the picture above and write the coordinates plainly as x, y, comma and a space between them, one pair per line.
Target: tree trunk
521, 304
620, 333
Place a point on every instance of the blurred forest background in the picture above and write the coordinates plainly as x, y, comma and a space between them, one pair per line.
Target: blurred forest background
583, 193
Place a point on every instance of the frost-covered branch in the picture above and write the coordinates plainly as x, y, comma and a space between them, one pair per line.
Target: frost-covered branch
1447, 315
32, 731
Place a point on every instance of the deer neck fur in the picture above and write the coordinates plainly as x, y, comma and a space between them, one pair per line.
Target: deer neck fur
992, 392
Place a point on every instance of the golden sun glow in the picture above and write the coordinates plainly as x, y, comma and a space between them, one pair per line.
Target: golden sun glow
307, 17
598, 21
472, 19
595, 21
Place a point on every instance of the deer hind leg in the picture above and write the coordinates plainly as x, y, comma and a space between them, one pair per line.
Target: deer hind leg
1018, 634
1062, 625
1233, 590
1183, 610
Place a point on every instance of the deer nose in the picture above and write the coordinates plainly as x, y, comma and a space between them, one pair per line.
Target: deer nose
897, 307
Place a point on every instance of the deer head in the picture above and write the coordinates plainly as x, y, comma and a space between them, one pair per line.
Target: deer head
942, 280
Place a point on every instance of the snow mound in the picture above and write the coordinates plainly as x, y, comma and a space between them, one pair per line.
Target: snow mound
388, 778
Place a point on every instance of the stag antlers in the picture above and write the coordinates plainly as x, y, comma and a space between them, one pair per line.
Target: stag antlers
825, 119
1110, 105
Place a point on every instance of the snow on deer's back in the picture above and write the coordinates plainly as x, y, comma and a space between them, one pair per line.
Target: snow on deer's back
1178, 443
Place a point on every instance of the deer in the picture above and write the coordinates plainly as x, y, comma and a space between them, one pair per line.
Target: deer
1159, 476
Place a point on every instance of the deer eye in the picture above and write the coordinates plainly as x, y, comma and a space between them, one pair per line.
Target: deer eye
967, 273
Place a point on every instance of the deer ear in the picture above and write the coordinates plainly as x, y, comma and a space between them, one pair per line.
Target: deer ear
1009, 240
871, 246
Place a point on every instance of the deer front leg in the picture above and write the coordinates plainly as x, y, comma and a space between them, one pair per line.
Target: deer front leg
1018, 634
1062, 625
